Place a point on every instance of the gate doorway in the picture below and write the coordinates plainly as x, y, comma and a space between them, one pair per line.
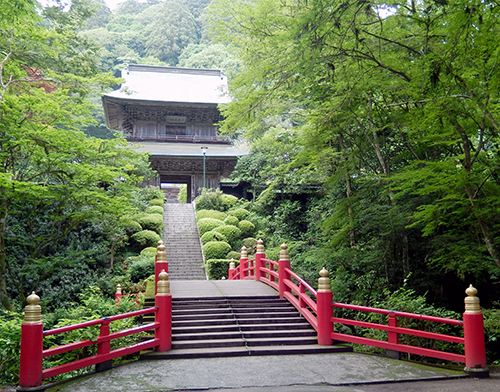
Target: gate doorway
171, 185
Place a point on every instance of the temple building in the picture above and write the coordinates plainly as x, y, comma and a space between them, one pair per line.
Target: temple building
172, 113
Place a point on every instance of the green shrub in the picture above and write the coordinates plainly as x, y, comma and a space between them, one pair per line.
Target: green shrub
231, 220
251, 244
10, 345
210, 214
239, 213
218, 268
232, 233
145, 238
247, 228
157, 202
182, 196
153, 222
130, 225
492, 335
207, 224
233, 255
149, 251
228, 201
216, 250
155, 210
210, 200
140, 267
212, 236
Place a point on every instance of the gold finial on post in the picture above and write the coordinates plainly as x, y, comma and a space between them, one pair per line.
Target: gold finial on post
33, 311
284, 252
244, 253
161, 253
260, 246
163, 285
231, 264
324, 281
471, 301
118, 289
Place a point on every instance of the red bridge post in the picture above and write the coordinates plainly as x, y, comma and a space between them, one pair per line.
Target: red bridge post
163, 300
161, 261
30, 372
243, 262
259, 255
230, 272
474, 347
325, 309
283, 265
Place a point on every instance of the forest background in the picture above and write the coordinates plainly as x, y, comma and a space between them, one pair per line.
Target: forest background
372, 125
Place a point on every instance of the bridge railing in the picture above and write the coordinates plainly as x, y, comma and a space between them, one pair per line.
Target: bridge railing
32, 372
317, 308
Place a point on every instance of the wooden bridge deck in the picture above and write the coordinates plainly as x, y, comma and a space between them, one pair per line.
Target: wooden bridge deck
219, 288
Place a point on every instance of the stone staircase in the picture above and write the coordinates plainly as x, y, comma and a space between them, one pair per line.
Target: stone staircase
182, 241
239, 326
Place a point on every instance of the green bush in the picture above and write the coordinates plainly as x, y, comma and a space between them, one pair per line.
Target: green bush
239, 213
231, 220
247, 228
155, 210
228, 201
153, 222
251, 244
492, 335
157, 202
182, 196
216, 250
218, 268
210, 200
146, 238
207, 224
232, 233
140, 267
210, 214
149, 251
212, 236
233, 255
130, 225
10, 344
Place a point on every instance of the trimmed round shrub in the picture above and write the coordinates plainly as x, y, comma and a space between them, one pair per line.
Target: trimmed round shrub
247, 228
153, 222
140, 267
129, 225
207, 224
233, 255
210, 214
157, 202
232, 233
146, 238
239, 213
212, 235
155, 210
251, 244
228, 201
231, 220
218, 268
216, 249
149, 251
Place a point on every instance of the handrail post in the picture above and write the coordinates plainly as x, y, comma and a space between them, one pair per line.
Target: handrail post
30, 372
474, 347
283, 264
393, 337
230, 272
259, 255
104, 348
324, 309
160, 262
118, 294
243, 262
163, 302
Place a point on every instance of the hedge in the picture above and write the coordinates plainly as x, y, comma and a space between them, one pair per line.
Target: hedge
210, 214
218, 268
153, 222
247, 228
251, 244
239, 213
130, 225
212, 235
233, 255
207, 224
155, 210
216, 249
157, 202
146, 238
231, 220
232, 233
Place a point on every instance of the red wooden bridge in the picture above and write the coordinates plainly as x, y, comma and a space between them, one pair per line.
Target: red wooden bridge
263, 308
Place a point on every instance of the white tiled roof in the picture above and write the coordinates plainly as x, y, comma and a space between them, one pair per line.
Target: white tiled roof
172, 84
